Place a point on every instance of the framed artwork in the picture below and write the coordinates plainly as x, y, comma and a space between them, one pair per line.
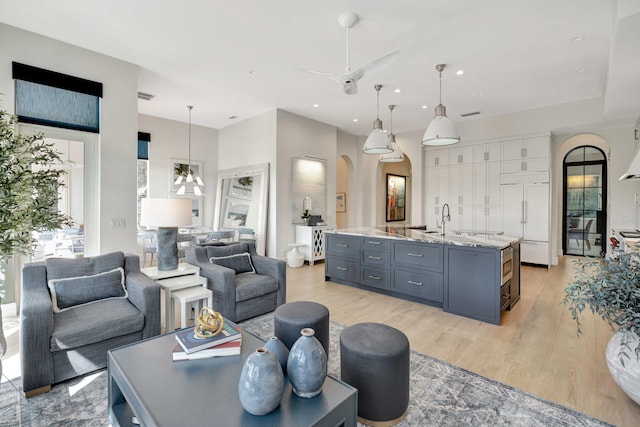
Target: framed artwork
396, 197
180, 167
341, 202
241, 187
236, 214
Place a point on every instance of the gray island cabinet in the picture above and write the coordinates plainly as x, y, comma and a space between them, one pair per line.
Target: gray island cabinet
476, 276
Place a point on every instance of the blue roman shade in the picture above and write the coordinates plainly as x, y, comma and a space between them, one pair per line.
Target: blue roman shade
53, 99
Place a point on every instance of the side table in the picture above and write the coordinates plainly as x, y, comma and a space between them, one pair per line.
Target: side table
185, 276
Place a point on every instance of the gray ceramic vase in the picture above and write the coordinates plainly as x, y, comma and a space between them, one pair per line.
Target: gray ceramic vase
261, 383
277, 347
307, 365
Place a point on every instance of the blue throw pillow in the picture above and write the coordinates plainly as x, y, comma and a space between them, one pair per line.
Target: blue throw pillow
74, 291
240, 263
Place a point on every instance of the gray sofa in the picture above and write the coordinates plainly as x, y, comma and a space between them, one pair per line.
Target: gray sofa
74, 310
243, 295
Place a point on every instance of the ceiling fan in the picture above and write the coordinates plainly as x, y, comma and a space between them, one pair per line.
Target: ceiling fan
349, 79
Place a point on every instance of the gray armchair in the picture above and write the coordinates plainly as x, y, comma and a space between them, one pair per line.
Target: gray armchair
244, 295
74, 310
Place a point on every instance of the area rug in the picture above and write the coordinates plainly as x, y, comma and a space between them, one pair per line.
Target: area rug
440, 395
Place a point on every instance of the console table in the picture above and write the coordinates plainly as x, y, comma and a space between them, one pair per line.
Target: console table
312, 237
145, 383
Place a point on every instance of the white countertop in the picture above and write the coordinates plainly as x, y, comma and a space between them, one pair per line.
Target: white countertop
488, 240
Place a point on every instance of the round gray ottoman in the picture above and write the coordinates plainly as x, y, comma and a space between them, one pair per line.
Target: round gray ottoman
289, 319
374, 358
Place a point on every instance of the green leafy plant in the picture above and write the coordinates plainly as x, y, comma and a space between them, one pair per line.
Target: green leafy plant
306, 214
28, 189
610, 288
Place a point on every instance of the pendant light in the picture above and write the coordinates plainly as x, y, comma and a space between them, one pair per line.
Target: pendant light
396, 155
195, 182
441, 130
377, 142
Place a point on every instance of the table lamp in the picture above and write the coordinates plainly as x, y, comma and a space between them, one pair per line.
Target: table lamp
167, 215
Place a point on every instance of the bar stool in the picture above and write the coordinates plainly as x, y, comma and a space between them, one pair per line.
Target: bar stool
197, 294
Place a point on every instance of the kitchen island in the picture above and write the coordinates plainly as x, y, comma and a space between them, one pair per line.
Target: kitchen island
475, 275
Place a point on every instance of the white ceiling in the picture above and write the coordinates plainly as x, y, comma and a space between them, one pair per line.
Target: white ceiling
516, 55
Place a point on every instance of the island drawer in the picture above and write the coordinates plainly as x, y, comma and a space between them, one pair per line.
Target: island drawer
419, 255
344, 269
344, 246
376, 244
381, 259
421, 284
377, 278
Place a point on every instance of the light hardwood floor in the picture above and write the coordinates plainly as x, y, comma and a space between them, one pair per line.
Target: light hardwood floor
535, 349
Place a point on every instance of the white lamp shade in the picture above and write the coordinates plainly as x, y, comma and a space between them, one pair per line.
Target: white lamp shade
165, 212
440, 132
394, 157
377, 143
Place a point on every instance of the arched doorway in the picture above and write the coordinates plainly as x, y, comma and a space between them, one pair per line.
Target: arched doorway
584, 201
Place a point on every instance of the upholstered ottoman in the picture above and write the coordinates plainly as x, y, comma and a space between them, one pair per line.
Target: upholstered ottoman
289, 319
374, 358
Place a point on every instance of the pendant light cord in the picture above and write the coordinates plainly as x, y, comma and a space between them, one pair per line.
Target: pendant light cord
440, 72
190, 107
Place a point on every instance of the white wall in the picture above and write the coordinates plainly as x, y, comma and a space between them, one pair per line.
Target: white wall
350, 147
300, 137
118, 122
170, 139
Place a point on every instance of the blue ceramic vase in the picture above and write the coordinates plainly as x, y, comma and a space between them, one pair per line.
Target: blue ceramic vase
307, 365
261, 383
277, 347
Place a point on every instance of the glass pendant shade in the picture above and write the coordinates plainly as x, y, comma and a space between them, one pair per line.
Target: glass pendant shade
178, 180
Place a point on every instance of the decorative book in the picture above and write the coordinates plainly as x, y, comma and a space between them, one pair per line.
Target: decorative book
190, 343
230, 348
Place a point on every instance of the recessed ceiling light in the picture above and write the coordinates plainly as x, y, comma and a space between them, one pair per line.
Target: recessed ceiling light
482, 93
581, 70
577, 38
397, 90
355, 120
424, 107
233, 117
460, 72
315, 105
251, 71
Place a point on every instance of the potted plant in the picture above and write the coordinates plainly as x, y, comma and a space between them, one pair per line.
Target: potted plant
305, 216
28, 194
610, 288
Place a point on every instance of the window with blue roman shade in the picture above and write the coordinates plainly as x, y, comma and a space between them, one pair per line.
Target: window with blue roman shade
54, 99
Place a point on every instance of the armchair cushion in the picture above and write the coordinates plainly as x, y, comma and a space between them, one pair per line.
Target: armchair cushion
74, 291
94, 323
240, 263
250, 286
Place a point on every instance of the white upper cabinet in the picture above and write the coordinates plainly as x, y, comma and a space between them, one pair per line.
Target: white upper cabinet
461, 155
438, 157
486, 183
436, 186
526, 155
487, 152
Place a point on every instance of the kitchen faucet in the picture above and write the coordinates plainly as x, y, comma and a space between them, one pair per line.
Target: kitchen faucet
446, 217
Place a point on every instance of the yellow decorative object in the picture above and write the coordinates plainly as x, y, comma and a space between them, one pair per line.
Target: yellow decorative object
210, 323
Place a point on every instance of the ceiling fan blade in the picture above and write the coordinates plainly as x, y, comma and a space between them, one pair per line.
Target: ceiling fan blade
333, 76
378, 63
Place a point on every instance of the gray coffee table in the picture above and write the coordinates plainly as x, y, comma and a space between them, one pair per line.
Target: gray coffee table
143, 381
